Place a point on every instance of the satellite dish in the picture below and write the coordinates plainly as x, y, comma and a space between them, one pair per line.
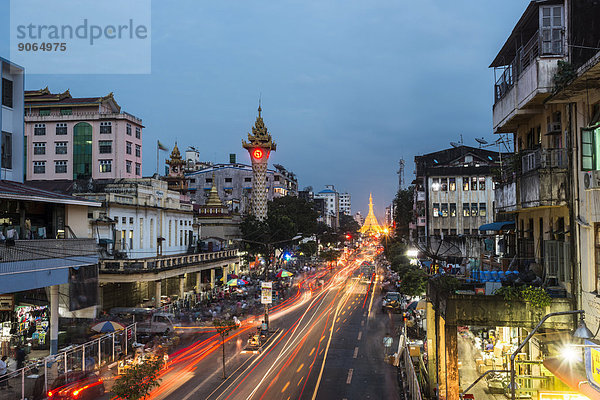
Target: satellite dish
481, 141
454, 144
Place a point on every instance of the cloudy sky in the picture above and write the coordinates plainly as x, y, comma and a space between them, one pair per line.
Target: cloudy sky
348, 87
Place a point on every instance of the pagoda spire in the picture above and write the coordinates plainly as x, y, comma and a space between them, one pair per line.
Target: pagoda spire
371, 225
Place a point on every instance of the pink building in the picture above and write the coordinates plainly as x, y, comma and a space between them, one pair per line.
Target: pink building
78, 138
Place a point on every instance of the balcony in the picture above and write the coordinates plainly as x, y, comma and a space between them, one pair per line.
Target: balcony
544, 178
168, 266
505, 195
525, 82
420, 196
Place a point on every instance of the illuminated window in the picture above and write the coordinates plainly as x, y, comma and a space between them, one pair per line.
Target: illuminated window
473, 209
465, 183
481, 183
452, 184
444, 210
453, 209
435, 184
444, 184
482, 209
473, 183
466, 210
436, 209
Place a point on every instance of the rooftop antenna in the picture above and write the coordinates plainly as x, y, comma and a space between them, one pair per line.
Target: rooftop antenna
457, 144
401, 173
481, 141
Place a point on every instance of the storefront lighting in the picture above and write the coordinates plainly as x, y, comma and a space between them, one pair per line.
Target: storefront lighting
412, 253
569, 354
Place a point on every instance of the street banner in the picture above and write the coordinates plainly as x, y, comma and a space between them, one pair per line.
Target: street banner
592, 364
266, 296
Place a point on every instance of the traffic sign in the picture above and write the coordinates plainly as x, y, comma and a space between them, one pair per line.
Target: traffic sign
266, 296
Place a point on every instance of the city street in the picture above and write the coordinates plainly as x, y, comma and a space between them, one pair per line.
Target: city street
327, 343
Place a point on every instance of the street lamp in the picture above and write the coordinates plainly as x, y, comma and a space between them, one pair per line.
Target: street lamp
581, 332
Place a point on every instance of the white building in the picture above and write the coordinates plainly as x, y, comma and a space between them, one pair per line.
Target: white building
332, 204
345, 204
142, 218
11, 122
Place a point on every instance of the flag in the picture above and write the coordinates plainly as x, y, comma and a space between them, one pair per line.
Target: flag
161, 146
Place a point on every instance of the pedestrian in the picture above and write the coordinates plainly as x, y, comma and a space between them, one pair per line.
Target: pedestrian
3, 371
20, 357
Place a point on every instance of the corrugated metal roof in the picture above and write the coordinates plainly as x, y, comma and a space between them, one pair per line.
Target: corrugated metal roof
19, 191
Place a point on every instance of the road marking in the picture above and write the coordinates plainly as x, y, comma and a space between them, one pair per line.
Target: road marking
285, 387
350, 371
322, 337
300, 381
355, 352
345, 319
312, 351
359, 335
337, 329
300, 367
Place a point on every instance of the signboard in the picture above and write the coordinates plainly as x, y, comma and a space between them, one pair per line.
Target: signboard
7, 302
387, 341
592, 364
266, 296
561, 396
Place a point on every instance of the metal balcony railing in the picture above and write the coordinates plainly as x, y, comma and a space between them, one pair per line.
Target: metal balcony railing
544, 158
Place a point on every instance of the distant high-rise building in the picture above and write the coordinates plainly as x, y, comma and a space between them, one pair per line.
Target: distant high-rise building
332, 203
359, 218
345, 204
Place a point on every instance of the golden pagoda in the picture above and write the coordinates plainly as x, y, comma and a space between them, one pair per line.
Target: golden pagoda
371, 226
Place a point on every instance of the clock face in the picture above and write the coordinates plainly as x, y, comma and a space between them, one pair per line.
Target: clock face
258, 153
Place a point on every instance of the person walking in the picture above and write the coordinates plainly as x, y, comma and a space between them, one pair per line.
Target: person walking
3, 371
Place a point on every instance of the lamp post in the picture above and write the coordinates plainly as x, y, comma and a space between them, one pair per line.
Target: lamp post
581, 332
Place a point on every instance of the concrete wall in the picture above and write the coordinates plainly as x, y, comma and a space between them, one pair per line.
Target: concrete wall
76, 217
11, 120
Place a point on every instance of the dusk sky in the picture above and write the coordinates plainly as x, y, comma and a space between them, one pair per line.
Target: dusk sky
348, 87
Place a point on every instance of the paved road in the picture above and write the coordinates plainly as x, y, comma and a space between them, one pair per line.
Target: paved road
327, 344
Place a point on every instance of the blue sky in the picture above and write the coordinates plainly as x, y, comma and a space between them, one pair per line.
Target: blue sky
348, 87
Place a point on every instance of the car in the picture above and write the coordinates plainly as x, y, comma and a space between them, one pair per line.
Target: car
76, 385
392, 302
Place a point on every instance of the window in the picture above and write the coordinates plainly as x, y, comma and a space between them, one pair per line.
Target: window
482, 183
6, 150
130, 240
128, 166
436, 232
39, 129
551, 29
60, 147
444, 209
453, 232
123, 220
473, 209
105, 127
129, 129
453, 209
138, 132
131, 220
39, 167
445, 232
138, 169
60, 167
436, 209
482, 209
466, 210
208, 180
473, 183
7, 93
128, 147
151, 233
61, 128
105, 165
66, 111
452, 184
247, 179
228, 180
465, 183
181, 238
467, 231
44, 112
169, 233
141, 233
590, 149
82, 151
39, 148
435, 184
444, 184
105, 146
138, 150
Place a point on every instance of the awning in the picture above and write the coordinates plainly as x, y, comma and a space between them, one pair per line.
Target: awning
11, 190
497, 226
572, 377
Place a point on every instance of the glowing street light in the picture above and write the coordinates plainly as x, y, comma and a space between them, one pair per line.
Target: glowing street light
412, 253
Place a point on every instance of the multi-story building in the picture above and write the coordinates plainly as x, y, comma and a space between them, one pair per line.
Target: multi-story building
45, 242
454, 196
345, 204
234, 185
69, 138
359, 218
332, 204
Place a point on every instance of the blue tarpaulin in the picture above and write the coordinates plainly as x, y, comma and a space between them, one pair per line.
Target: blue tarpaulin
497, 226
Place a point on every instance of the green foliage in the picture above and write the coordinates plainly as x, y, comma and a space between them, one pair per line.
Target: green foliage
413, 281
348, 225
403, 214
330, 255
139, 380
565, 73
224, 326
308, 249
536, 296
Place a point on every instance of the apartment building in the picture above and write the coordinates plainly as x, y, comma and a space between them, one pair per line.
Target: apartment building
345, 204
331, 199
70, 138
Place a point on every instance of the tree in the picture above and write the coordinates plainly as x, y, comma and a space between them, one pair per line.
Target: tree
224, 326
403, 214
413, 282
348, 224
137, 381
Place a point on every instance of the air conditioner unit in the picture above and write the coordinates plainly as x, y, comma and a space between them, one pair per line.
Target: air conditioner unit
554, 127
591, 180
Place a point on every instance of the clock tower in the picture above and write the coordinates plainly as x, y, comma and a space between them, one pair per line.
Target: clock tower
259, 146
176, 178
